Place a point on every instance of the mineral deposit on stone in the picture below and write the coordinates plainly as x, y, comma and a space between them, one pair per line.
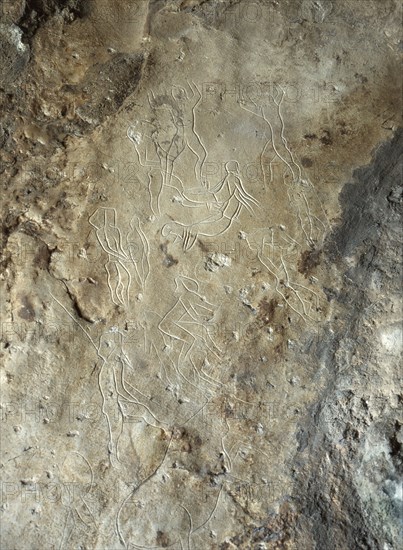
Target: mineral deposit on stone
201, 264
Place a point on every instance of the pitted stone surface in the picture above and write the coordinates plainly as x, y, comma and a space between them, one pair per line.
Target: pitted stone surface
201, 329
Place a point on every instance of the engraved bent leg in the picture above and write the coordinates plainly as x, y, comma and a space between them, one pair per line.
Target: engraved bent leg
114, 284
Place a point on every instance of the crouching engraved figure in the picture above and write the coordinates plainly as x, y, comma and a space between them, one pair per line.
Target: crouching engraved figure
223, 205
186, 323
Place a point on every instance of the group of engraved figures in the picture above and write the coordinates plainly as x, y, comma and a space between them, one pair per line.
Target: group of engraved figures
180, 339
205, 210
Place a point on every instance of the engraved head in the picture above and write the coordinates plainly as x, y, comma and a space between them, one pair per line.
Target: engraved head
166, 230
184, 283
179, 94
232, 167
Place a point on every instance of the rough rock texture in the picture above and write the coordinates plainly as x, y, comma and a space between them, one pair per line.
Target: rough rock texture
201, 266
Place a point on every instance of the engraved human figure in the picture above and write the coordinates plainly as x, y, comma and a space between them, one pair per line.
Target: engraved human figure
223, 205
108, 346
185, 118
123, 255
187, 321
151, 153
276, 150
169, 149
277, 153
115, 370
110, 239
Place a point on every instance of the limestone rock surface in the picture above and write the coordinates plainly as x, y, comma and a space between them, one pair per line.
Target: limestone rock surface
201, 263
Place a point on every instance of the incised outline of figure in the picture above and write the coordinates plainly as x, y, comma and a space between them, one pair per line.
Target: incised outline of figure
185, 328
223, 205
168, 148
127, 257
